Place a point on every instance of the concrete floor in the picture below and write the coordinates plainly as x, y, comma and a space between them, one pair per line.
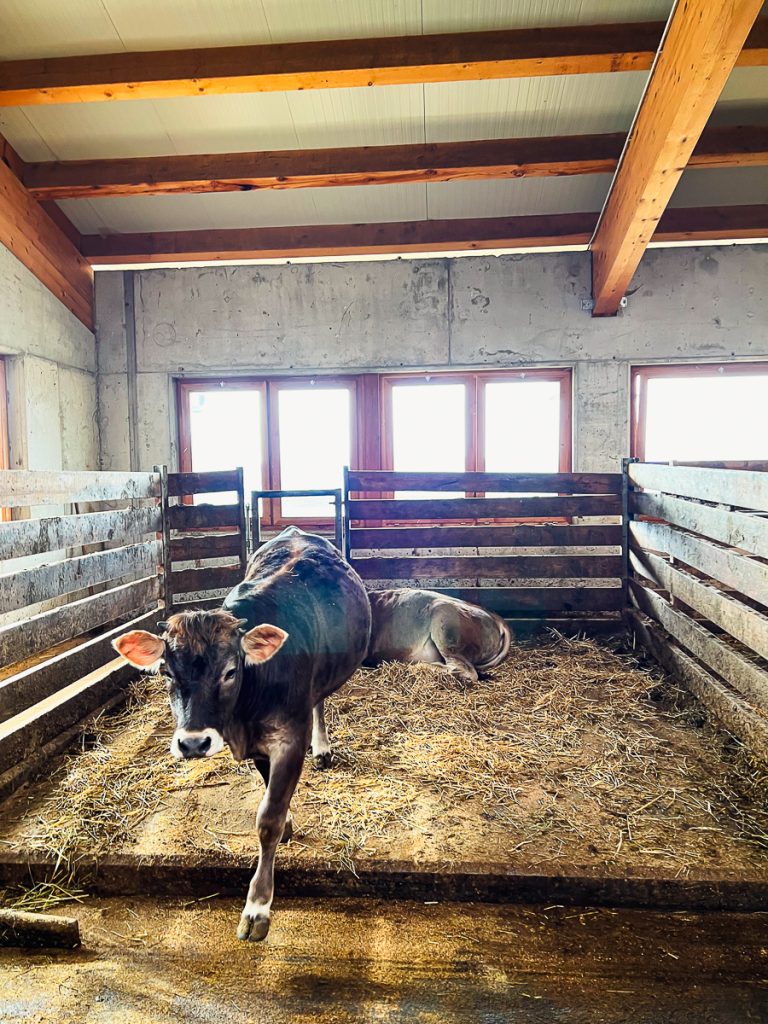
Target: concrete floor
339, 961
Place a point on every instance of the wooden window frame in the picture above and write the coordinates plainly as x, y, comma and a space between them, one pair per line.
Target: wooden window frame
640, 375
269, 388
475, 381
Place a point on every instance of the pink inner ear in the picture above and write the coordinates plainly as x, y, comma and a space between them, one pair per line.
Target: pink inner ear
262, 642
140, 648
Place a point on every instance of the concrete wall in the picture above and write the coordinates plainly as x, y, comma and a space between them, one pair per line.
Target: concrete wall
511, 311
51, 361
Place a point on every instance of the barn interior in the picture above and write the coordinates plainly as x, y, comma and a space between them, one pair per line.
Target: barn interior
478, 293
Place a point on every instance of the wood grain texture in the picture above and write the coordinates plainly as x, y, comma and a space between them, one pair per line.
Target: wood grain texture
736, 487
483, 508
20, 487
557, 483
335, 63
737, 529
484, 536
35, 536
741, 620
43, 247
702, 45
541, 157
490, 567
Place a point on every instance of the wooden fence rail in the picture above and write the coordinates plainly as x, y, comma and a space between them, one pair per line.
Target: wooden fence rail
699, 587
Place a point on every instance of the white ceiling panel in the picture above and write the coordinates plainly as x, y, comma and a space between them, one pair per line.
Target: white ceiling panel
744, 100
457, 15
722, 187
504, 108
249, 209
291, 20
358, 117
516, 197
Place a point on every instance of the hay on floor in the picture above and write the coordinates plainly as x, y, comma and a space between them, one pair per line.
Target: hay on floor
568, 751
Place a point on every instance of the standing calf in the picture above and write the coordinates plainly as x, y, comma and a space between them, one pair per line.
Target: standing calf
255, 675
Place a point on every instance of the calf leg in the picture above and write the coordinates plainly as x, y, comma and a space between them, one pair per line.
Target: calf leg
446, 634
284, 772
263, 767
321, 747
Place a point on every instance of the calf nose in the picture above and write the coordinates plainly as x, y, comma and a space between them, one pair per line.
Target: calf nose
193, 745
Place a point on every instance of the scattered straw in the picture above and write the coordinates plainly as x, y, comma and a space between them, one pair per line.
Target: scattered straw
569, 752
44, 896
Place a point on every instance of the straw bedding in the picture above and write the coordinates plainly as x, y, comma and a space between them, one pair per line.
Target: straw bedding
569, 752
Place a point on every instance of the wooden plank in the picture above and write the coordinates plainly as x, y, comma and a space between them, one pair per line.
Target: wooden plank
514, 567
24, 734
725, 705
202, 483
744, 675
20, 487
484, 536
202, 517
216, 545
335, 63
741, 146
43, 582
484, 508
188, 581
36, 536
743, 573
736, 487
557, 483
40, 244
45, 931
539, 600
701, 224
737, 529
700, 48
34, 684
22, 639
742, 621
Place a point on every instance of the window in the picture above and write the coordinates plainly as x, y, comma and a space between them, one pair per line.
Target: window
700, 413
510, 422
298, 433
294, 434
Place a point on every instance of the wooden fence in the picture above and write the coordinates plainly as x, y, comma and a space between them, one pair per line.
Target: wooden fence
204, 545
564, 563
699, 585
71, 580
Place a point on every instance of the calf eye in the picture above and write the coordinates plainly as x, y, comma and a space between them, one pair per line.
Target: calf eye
229, 675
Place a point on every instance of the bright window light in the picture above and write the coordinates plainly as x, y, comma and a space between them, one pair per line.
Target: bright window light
522, 426
692, 419
315, 445
429, 431
225, 432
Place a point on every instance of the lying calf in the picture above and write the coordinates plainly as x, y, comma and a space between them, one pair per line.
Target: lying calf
424, 626
255, 673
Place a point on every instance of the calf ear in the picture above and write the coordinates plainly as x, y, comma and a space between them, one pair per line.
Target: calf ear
143, 650
262, 643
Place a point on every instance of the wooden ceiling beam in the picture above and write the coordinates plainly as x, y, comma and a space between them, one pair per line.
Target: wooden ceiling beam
528, 232
371, 165
46, 245
464, 56
702, 45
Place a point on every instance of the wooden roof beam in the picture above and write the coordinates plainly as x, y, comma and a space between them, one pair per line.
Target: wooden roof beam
702, 45
46, 244
529, 232
371, 165
464, 56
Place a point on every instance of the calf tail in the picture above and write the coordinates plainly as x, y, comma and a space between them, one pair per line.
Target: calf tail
503, 651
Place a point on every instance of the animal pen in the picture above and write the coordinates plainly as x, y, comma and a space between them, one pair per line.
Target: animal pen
617, 758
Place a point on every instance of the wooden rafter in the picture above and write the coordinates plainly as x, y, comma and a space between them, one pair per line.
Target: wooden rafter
46, 245
371, 165
559, 230
703, 43
515, 53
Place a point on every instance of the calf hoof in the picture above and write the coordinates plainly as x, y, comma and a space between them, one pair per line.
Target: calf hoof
253, 926
322, 760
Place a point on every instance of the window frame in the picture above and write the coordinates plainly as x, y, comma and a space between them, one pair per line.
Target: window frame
5, 440
269, 388
640, 375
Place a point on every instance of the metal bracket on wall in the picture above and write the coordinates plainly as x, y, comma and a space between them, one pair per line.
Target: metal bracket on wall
588, 305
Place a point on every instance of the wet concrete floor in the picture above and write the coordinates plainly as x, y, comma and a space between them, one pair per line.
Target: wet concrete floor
338, 961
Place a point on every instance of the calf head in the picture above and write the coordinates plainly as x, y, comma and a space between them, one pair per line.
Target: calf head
202, 655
